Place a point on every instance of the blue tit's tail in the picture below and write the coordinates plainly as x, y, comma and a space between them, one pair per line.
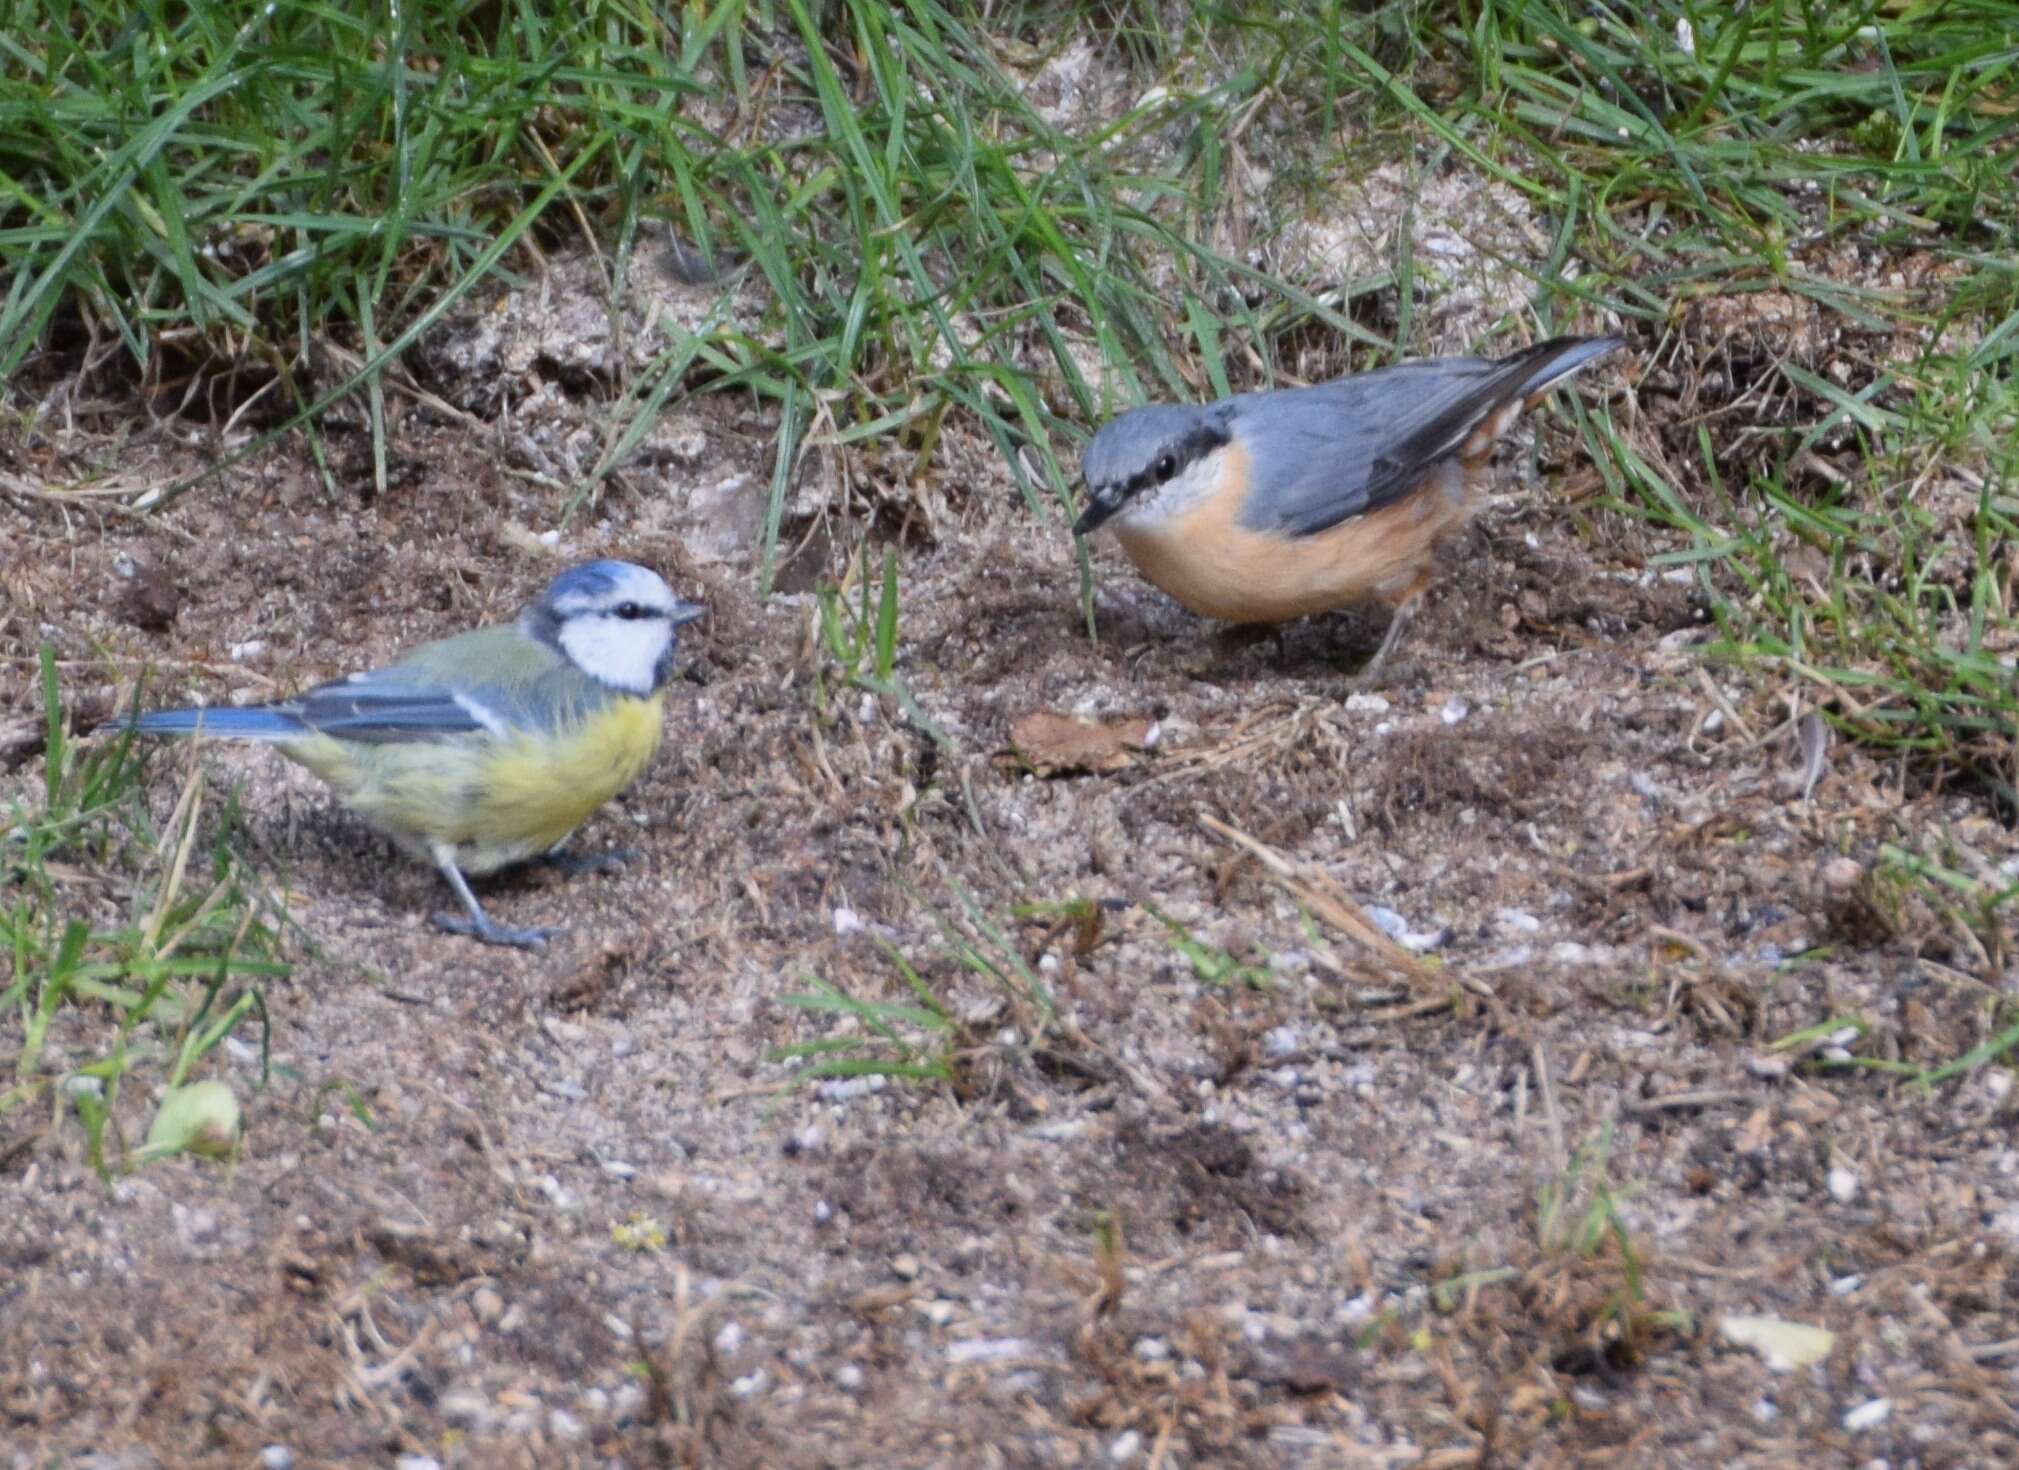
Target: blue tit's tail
226, 722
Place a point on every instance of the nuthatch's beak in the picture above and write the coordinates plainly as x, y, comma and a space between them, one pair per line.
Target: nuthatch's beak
686, 612
1102, 502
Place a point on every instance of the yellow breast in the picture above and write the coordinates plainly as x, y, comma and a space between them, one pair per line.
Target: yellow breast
493, 801
534, 792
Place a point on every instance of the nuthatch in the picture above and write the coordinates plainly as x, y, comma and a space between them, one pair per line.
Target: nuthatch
490, 748
1268, 506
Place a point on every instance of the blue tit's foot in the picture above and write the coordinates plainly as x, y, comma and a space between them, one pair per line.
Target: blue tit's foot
485, 931
575, 864
478, 924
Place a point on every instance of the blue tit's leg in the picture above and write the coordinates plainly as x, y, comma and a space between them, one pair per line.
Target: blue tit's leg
478, 925
575, 864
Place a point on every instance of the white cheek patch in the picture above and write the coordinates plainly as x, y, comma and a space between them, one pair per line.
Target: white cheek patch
621, 652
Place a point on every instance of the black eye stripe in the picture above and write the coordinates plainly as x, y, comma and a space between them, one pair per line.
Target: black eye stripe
1172, 462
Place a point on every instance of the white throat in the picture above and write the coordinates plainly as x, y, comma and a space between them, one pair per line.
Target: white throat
1158, 505
623, 654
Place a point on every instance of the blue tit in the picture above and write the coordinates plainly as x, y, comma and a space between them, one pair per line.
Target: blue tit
1269, 506
492, 747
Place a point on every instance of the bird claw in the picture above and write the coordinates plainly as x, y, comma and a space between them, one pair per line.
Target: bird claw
484, 931
575, 864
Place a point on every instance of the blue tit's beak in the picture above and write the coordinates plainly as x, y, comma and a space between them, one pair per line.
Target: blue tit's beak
1102, 502
685, 613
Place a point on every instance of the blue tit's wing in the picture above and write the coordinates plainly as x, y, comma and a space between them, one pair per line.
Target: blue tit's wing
495, 681
1322, 455
492, 682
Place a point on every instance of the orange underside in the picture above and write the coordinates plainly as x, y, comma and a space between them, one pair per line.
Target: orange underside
1217, 568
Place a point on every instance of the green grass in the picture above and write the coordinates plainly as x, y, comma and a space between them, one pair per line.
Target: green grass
923, 1039
125, 996
199, 201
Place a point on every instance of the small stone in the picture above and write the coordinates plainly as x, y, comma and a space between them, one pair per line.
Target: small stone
1127, 1445
487, 1306
749, 1386
1151, 1349
848, 1378
1768, 1068
564, 1425
1868, 1415
470, 1412
729, 1338
417, 1462
987, 1349
1455, 710
1843, 1184
905, 1267
1841, 874
276, 1457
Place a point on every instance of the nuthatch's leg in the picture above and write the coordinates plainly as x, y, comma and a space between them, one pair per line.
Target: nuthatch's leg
1397, 621
478, 925
1246, 635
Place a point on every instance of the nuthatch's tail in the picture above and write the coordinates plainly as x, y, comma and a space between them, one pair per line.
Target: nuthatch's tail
1472, 423
225, 722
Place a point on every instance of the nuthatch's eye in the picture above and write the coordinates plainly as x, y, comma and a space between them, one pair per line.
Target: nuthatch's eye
630, 611
1167, 466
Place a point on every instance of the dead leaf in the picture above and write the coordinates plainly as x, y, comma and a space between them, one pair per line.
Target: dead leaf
1785, 1346
1050, 743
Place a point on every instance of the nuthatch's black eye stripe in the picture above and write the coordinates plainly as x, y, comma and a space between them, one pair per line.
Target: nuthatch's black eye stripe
1181, 456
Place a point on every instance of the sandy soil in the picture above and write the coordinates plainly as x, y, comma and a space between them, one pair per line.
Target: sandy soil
1294, 1218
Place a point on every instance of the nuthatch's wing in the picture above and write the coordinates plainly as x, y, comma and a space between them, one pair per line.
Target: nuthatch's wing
1322, 455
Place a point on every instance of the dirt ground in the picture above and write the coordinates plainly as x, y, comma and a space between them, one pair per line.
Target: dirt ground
1292, 1218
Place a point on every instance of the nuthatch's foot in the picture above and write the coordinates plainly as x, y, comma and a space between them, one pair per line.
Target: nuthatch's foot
486, 931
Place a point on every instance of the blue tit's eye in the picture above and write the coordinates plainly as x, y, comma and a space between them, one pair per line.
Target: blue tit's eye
1167, 466
630, 611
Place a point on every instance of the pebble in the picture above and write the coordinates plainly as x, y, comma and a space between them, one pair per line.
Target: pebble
979, 1350
1282, 1041
749, 1386
729, 1338
487, 1305
1455, 709
1868, 1415
417, 1462
276, 1457
905, 1267
848, 1377
1126, 1447
1843, 1185
564, 1425
467, 1411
